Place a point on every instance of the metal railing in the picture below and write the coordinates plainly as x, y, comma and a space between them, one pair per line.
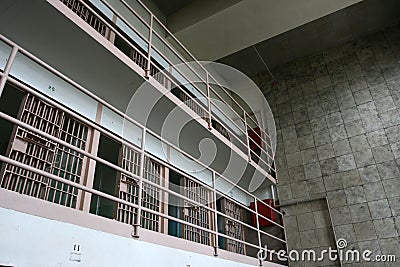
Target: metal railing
81, 187
163, 62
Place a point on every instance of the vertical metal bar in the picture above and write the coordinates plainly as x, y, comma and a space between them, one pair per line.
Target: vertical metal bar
247, 134
7, 69
215, 215
91, 165
147, 71
209, 102
137, 224
258, 226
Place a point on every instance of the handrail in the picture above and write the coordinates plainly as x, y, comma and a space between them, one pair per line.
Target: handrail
165, 28
63, 143
150, 28
127, 22
161, 38
184, 61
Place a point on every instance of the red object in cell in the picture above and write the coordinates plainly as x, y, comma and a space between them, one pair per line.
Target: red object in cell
255, 138
265, 211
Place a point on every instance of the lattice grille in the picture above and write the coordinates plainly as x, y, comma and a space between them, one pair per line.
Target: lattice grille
26, 182
158, 75
129, 190
89, 17
196, 214
68, 163
139, 59
233, 228
128, 187
192, 104
39, 152
151, 195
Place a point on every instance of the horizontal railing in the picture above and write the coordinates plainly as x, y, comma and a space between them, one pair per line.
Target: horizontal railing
151, 50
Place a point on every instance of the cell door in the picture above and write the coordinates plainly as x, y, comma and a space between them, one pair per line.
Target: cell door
43, 154
195, 214
128, 190
232, 228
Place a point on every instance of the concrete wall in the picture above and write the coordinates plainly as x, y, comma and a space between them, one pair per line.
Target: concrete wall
28, 241
338, 121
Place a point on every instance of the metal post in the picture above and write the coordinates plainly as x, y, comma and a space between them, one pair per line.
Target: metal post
147, 72
91, 164
215, 215
7, 69
247, 135
209, 102
137, 224
258, 227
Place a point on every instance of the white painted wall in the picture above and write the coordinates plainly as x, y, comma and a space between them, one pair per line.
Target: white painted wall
49, 84
121, 127
30, 241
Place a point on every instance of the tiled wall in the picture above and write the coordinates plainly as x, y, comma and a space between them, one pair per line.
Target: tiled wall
338, 119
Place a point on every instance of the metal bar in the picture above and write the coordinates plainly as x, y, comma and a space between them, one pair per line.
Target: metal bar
62, 180
247, 135
152, 17
252, 227
215, 215
63, 143
178, 71
93, 191
176, 53
140, 187
7, 69
209, 103
72, 113
209, 188
258, 223
165, 28
91, 164
70, 81
149, 48
183, 61
131, 10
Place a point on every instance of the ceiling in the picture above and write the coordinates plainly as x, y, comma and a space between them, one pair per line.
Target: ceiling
321, 34
296, 33
169, 7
